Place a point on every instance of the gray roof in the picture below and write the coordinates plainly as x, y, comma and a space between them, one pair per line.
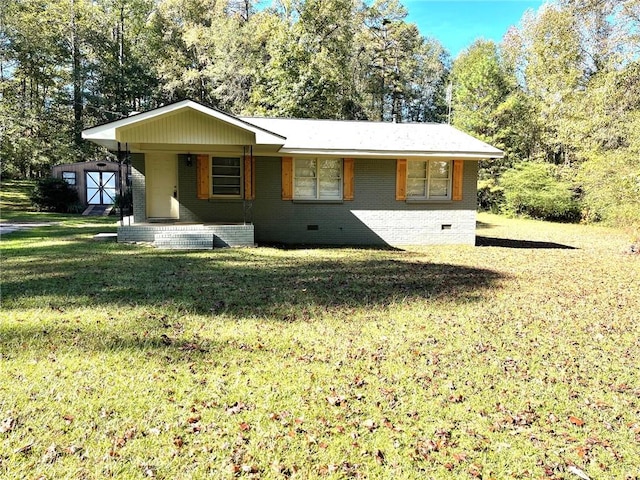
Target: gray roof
377, 138
324, 137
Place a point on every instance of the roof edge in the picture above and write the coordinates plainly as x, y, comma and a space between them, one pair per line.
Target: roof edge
394, 154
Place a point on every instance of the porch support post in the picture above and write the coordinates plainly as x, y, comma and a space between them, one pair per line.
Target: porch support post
120, 182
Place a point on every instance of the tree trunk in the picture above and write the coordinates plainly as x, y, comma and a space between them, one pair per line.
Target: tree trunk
77, 80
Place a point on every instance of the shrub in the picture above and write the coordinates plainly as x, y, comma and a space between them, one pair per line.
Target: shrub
533, 190
490, 196
611, 183
54, 195
124, 201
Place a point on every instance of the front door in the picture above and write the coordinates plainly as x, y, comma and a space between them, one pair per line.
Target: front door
101, 188
161, 170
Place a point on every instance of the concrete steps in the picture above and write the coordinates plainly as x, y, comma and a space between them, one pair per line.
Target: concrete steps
98, 210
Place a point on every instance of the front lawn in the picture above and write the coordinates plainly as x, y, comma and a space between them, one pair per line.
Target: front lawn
517, 359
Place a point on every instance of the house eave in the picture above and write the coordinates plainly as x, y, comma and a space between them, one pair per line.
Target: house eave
392, 154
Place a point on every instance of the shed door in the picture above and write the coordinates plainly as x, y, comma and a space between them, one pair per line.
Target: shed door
101, 188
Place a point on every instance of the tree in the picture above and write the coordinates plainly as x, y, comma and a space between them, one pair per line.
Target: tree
576, 64
609, 131
36, 121
309, 60
488, 103
426, 94
389, 59
554, 77
534, 190
122, 78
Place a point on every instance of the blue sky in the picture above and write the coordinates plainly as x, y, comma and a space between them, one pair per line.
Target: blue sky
457, 23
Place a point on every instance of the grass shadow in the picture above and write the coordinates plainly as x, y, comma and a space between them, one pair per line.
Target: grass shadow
320, 246
77, 271
483, 225
524, 244
69, 272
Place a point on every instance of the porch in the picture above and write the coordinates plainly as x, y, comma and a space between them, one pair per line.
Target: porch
188, 236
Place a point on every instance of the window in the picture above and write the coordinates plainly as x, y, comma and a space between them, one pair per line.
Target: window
69, 177
317, 179
429, 179
226, 176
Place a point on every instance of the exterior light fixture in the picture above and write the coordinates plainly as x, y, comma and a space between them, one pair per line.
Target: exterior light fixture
189, 160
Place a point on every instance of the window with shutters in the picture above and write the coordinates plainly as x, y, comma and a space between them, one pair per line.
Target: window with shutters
429, 180
226, 177
317, 179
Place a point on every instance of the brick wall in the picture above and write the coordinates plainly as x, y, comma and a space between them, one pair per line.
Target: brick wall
184, 236
138, 188
374, 217
193, 209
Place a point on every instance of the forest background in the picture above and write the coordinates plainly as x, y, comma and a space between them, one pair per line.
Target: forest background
560, 94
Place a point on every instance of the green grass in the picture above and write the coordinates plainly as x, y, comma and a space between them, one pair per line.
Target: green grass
121, 361
15, 206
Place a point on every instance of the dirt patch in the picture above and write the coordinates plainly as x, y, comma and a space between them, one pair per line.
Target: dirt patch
7, 227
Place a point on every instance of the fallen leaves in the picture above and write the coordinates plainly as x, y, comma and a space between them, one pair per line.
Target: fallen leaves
576, 421
347, 469
26, 448
178, 442
8, 424
236, 408
576, 471
51, 454
121, 441
336, 400
442, 440
369, 424
193, 419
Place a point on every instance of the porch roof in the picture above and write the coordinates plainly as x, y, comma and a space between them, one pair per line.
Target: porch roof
182, 122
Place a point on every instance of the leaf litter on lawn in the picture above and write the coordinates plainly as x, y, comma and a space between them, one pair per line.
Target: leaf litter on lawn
435, 362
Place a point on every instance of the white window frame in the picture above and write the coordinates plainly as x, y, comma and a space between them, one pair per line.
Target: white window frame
213, 176
75, 179
428, 180
318, 179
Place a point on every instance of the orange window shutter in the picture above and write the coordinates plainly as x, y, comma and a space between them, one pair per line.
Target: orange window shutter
457, 180
287, 178
348, 180
249, 178
202, 176
401, 179
253, 178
